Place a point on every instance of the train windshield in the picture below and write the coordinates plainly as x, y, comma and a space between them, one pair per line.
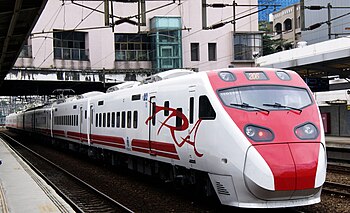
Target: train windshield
266, 97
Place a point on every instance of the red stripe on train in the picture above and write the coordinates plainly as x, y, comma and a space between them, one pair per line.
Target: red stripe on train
155, 145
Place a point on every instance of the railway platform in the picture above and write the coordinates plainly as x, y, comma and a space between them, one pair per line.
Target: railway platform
22, 190
338, 142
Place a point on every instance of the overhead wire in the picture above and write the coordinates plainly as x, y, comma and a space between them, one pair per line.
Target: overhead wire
42, 43
71, 32
178, 6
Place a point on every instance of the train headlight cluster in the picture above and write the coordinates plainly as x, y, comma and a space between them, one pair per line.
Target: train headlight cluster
258, 134
306, 131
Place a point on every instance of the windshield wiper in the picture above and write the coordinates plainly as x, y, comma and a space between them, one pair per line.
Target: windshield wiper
278, 105
245, 105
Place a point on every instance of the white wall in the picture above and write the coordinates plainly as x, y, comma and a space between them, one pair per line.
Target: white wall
101, 41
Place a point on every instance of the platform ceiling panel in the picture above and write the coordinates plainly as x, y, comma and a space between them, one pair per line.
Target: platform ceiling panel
17, 19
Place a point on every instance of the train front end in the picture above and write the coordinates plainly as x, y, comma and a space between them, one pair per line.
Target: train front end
278, 130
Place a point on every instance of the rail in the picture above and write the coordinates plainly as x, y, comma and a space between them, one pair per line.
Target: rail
80, 195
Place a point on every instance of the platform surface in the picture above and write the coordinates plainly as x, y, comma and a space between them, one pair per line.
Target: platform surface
22, 190
335, 141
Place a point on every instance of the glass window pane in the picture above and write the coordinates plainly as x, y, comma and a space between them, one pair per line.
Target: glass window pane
57, 53
135, 119
66, 53
120, 56
194, 51
131, 46
76, 44
131, 56
212, 51
70, 44
123, 46
75, 54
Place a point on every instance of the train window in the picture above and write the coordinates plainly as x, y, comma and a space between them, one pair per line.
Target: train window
178, 118
96, 119
100, 103
129, 119
85, 114
206, 111
136, 97
191, 110
153, 113
91, 117
113, 119
135, 119
123, 119
74, 106
166, 110
265, 97
76, 120
256, 75
104, 119
100, 120
118, 120
109, 119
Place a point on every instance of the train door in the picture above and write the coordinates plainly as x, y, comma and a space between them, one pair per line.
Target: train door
81, 114
90, 123
51, 121
192, 124
152, 130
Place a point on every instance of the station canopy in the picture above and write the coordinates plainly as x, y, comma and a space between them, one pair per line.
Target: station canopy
318, 62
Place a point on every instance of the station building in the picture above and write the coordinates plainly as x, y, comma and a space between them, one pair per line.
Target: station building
71, 35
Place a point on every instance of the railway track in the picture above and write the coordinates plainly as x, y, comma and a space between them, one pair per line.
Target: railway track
337, 188
77, 193
343, 168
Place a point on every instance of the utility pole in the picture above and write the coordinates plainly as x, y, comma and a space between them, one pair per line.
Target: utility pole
329, 6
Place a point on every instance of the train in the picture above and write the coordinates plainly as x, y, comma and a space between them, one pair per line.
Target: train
251, 136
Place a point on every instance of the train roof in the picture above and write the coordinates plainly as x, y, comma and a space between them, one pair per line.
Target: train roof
166, 75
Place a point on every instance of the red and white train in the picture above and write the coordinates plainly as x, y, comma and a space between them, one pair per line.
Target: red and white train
253, 135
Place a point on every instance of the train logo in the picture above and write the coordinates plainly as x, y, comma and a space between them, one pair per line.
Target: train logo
184, 126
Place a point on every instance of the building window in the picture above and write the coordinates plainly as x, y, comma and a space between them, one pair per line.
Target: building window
212, 51
70, 45
287, 24
247, 46
194, 51
278, 28
132, 47
166, 43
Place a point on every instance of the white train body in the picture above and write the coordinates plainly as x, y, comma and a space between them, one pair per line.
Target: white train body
264, 156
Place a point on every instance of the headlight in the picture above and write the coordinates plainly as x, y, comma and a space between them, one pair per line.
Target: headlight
306, 131
258, 134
